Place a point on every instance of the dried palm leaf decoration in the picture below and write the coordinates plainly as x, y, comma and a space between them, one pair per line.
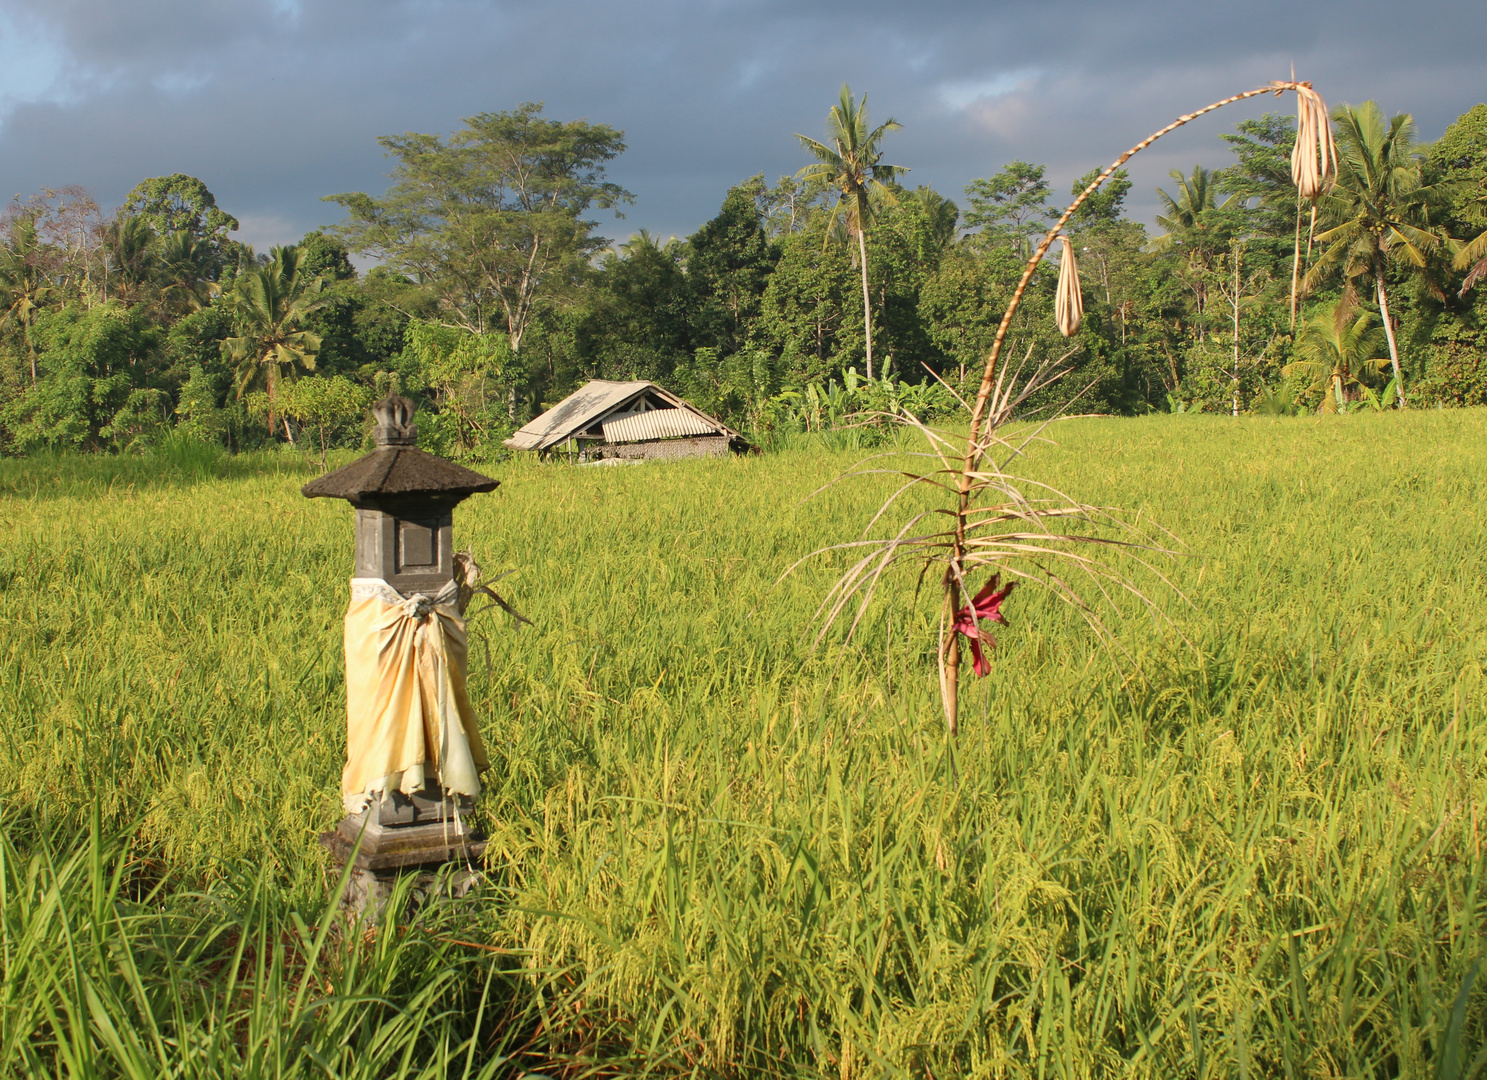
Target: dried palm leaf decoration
1314, 158
1068, 307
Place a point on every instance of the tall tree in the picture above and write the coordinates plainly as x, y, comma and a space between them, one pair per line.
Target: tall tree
941, 216
853, 166
179, 202
185, 272
1189, 217
1010, 207
1198, 228
24, 286
68, 229
327, 257
128, 258
493, 219
729, 261
270, 304
1381, 209
1106, 205
1261, 178
1458, 162
635, 322
961, 303
175, 202
1270, 203
788, 207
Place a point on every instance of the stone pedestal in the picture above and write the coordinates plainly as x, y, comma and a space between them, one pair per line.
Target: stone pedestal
367, 891
401, 835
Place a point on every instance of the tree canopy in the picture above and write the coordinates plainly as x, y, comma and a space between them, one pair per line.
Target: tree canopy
493, 218
487, 289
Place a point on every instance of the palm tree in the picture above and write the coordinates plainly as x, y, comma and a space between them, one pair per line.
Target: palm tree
940, 214
852, 165
128, 256
270, 303
182, 262
1335, 349
1196, 222
24, 289
1190, 216
1380, 210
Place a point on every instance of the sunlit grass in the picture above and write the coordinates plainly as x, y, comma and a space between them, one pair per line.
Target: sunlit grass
717, 849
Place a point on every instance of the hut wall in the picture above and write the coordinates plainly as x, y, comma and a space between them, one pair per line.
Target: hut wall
669, 449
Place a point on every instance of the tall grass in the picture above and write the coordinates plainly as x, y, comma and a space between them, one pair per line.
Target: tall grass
720, 851
110, 971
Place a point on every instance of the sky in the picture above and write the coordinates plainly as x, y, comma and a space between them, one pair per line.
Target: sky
276, 103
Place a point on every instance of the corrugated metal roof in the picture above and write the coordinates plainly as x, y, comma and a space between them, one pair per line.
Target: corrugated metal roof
659, 424
592, 403
574, 413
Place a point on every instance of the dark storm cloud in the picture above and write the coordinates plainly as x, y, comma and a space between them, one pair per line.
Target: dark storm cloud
275, 104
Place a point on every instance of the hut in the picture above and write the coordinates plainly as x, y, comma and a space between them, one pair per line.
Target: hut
622, 421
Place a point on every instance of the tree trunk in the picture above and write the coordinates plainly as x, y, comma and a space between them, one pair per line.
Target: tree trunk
867, 312
1378, 276
513, 396
1236, 332
1296, 264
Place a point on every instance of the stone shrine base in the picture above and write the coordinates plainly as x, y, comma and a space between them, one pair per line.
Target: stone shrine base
399, 835
367, 891
401, 847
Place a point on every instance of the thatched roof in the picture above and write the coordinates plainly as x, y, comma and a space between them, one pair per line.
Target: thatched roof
396, 472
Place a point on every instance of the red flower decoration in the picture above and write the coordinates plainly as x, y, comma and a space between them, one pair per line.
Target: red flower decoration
986, 605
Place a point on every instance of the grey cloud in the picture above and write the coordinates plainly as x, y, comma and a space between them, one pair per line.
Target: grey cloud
275, 104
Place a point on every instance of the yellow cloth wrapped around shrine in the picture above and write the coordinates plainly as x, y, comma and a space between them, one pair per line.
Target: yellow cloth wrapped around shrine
408, 716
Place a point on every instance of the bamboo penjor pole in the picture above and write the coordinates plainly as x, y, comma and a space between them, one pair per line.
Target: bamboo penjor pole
1313, 165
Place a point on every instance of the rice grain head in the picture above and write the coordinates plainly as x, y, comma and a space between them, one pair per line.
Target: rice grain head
1068, 309
1314, 158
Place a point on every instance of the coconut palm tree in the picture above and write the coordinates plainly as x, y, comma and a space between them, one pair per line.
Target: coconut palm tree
1190, 217
1335, 348
940, 214
1381, 209
1199, 226
852, 164
270, 304
24, 288
129, 257
183, 271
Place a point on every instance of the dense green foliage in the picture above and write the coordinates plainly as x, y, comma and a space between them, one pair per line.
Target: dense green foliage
719, 851
494, 293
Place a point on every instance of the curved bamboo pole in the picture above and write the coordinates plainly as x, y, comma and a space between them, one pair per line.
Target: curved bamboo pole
974, 450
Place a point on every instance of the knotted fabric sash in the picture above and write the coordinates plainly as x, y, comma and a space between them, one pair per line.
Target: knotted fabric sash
408, 715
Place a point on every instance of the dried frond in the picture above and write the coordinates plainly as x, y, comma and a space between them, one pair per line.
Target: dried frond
467, 580
1476, 274
1069, 304
1314, 157
1021, 528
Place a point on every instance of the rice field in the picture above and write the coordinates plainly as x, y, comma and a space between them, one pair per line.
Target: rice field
1250, 844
